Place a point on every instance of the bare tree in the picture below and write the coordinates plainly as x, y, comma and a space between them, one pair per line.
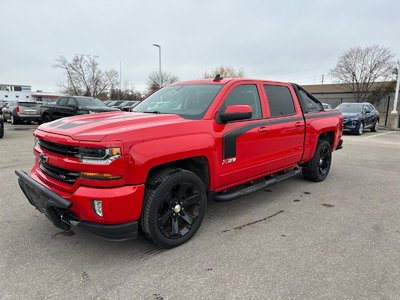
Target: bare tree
153, 81
360, 67
225, 72
84, 76
127, 92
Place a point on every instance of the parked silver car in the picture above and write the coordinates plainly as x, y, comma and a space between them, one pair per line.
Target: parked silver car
18, 112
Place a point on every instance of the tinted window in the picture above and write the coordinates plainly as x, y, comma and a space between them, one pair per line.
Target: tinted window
27, 104
244, 95
279, 100
350, 108
63, 101
71, 102
309, 103
90, 102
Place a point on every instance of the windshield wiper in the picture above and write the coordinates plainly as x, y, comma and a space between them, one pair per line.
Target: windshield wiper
152, 112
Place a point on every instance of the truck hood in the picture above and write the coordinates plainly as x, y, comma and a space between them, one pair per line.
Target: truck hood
95, 127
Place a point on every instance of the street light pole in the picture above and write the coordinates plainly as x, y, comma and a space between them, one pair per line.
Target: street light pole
159, 61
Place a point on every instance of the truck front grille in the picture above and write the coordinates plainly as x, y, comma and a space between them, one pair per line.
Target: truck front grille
71, 151
63, 175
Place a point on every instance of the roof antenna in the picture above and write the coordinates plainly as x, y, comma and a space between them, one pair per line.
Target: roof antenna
218, 77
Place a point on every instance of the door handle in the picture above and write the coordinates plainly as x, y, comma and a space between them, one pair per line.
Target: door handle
263, 129
299, 124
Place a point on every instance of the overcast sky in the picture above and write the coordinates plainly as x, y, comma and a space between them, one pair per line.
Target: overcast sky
294, 41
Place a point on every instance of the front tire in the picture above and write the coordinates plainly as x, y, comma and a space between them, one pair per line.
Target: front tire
317, 169
1, 128
360, 129
174, 206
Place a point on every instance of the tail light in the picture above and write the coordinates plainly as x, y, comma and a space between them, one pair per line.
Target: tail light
17, 109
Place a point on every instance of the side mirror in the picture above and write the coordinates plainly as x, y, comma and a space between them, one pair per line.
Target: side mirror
236, 112
367, 111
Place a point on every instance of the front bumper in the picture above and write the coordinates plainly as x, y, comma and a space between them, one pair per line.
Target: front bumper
351, 125
63, 214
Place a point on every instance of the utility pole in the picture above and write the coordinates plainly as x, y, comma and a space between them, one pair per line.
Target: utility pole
322, 80
159, 62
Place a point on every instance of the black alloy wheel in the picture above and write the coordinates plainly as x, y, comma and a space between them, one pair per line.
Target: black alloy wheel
324, 162
317, 169
178, 210
174, 207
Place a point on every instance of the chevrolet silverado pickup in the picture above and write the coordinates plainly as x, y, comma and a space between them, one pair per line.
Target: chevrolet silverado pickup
72, 106
155, 168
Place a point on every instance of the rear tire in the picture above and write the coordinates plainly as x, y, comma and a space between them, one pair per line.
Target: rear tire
13, 120
174, 206
317, 169
46, 118
375, 127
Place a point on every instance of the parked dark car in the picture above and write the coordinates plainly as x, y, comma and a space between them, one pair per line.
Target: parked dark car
115, 103
18, 112
1, 127
359, 116
72, 106
128, 105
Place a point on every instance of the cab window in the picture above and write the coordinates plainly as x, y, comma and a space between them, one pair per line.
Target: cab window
246, 94
280, 100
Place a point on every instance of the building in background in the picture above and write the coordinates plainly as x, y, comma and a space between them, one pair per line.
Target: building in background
15, 92
18, 92
45, 98
335, 94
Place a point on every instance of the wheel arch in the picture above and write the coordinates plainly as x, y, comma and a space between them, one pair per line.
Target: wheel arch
198, 165
328, 136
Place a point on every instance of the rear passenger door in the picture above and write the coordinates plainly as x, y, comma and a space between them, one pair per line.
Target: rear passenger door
286, 128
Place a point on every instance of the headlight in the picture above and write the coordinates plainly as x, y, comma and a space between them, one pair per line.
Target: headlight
99, 156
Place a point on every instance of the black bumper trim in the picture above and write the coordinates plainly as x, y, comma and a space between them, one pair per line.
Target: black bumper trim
54, 199
45, 200
113, 232
56, 209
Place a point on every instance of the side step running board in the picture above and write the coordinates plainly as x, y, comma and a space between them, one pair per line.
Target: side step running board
267, 181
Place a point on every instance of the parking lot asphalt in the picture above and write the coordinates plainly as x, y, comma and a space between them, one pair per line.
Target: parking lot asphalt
297, 239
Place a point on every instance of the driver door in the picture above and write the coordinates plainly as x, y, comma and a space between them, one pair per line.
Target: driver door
242, 144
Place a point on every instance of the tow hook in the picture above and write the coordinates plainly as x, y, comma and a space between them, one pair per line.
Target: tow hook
69, 222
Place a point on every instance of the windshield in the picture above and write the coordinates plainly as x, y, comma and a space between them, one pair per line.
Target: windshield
350, 108
189, 101
90, 102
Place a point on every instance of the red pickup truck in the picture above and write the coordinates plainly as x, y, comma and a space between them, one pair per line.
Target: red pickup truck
156, 167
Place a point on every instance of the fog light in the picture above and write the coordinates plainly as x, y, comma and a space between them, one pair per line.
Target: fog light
98, 207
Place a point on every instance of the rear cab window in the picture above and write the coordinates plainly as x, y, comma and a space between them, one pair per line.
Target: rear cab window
279, 100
